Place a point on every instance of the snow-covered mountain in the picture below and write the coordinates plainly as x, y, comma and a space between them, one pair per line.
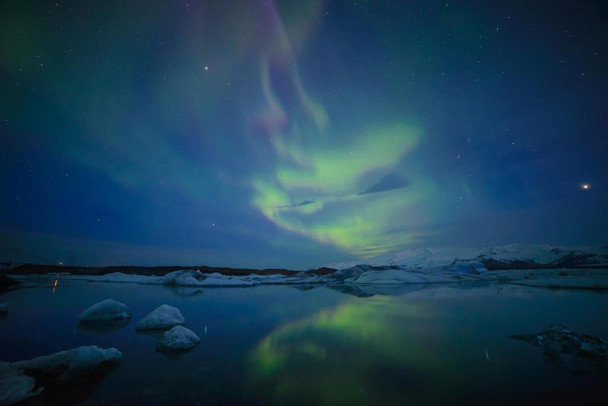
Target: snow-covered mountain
515, 256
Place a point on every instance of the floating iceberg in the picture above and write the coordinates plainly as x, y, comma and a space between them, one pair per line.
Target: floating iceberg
15, 386
460, 271
106, 310
178, 338
573, 352
399, 276
197, 278
25, 379
162, 317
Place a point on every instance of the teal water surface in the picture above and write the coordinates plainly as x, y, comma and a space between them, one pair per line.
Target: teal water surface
291, 345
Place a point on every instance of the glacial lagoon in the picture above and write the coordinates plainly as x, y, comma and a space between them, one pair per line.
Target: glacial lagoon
434, 344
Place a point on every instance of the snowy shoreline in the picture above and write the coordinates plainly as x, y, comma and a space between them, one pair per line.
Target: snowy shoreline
532, 265
359, 275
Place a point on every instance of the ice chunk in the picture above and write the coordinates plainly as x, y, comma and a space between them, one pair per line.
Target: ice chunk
162, 317
217, 279
19, 380
106, 310
400, 276
346, 274
197, 278
179, 338
15, 386
71, 363
571, 351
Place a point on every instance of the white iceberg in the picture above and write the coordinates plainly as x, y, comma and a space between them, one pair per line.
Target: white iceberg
15, 386
179, 338
459, 271
71, 363
296, 278
106, 310
399, 276
162, 317
18, 379
197, 278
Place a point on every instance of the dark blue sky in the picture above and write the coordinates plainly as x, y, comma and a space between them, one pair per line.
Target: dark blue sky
288, 133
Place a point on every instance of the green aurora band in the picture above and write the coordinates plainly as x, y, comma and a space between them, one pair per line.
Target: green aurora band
321, 192
328, 190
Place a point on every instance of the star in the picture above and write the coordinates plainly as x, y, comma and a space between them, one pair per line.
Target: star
585, 186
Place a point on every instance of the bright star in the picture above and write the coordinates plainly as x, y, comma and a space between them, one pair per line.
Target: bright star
585, 186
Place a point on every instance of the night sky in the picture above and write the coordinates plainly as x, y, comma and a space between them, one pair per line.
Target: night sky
298, 133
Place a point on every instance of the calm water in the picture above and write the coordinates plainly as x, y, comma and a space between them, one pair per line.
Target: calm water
284, 345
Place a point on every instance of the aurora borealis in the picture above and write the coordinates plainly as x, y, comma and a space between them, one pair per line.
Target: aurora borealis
298, 133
